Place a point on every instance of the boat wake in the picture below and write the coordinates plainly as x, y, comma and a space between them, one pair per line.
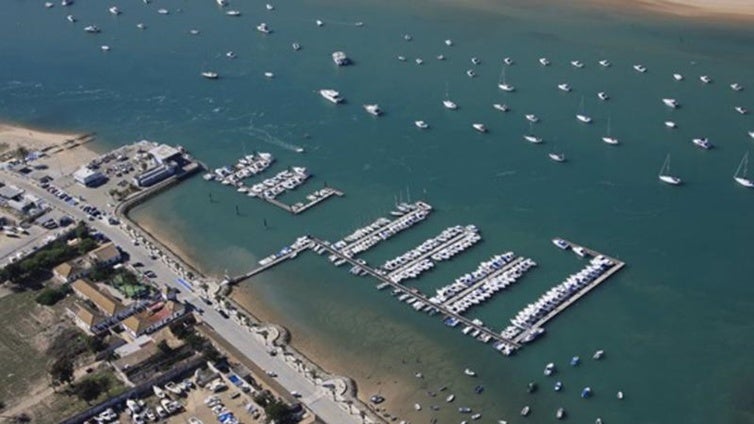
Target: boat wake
265, 136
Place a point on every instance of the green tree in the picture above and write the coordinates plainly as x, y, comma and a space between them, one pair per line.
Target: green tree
50, 296
61, 371
89, 389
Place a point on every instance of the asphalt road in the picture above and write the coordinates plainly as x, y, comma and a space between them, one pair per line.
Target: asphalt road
318, 399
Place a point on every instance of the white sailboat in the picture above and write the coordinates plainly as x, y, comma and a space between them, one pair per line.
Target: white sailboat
557, 157
581, 116
609, 139
503, 84
665, 175
740, 175
530, 137
449, 104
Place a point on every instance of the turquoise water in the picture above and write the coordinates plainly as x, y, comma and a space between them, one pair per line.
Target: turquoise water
675, 322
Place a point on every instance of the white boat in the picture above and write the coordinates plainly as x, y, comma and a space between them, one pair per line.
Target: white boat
221, 3
340, 58
577, 64
469, 372
269, 75
417, 407
210, 75
678, 77
608, 138
740, 176
163, 11
141, 26
736, 87
501, 107
449, 104
742, 110
470, 73
407, 37
230, 55
549, 369
421, 125
525, 411
703, 142
331, 95
269, 6
479, 127
581, 116
66, 2
448, 42
560, 243
440, 57
319, 23
475, 61
672, 103
671, 124
706, 79
418, 61
476, 416
666, 178
508, 61
531, 118
544, 61
751, 134
579, 251
450, 398
233, 13
604, 63
564, 87
194, 31
70, 18
296, 46
503, 84
560, 414
557, 157
619, 395
104, 48
402, 58
373, 109
159, 392
114, 10
640, 68
263, 28
603, 96
532, 139
92, 29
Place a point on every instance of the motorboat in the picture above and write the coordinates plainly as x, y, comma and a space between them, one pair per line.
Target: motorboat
560, 243
407, 37
402, 58
263, 28
508, 61
619, 395
104, 48
163, 11
706, 79
751, 134
92, 29
557, 157
603, 96
71, 18
269, 74
373, 109
469, 372
525, 411
579, 251
577, 64
210, 75
475, 61
269, 6
558, 386
678, 77
464, 410
544, 61
319, 23
296, 46
736, 87
421, 125
703, 142
114, 10
501, 107
234, 13
531, 387
599, 354
671, 103
560, 414
440, 57
230, 55
532, 139
584, 118
194, 31
221, 3
575, 361
331, 95
740, 175
564, 87
159, 392
417, 407
586, 392
66, 2
340, 58
141, 26
450, 398
470, 73
742, 110
671, 124
604, 63
479, 127
419, 61
532, 118
449, 104
640, 68
549, 369
448, 42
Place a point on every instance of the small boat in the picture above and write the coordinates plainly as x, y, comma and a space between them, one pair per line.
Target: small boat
740, 109
525, 411
475, 61
358, 24
557, 157
448, 42
194, 31
678, 77
544, 61
640, 68
479, 389
598, 421
532, 139
269, 75
531, 387
419, 375
92, 29
210, 75
263, 28
269, 6
373, 109
141, 26
601, 353
421, 125
549, 369
331, 95
508, 61
603, 96
740, 174
604, 63
340, 58
479, 127
586, 392
104, 48
666, 178
577, 64
233, 13
532, 118
230, 55
671, 103
560, 243
114, 10
751, 134
575, 361
418, 61
464, 410
159, 392
671, 124
501, 107
407, 37
564, 87
558, 386
470, 73
608, 138
469, 372
581, 116
319, 23
163, 11
71, 18
221, 3
706, 79
703, 142
619, 395
440, 57
736, 87
402, 58
450, 398
503, 84
476, 416
66, 2
560, 414
417, 407
296, 46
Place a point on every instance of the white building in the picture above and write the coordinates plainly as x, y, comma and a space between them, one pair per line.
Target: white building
87, 176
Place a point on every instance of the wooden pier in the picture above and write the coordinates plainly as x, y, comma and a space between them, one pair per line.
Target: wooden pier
617, 266
299, 207
420, 296
262, 268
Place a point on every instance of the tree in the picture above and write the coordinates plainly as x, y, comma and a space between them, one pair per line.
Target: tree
89, 389
61, 371
95, 344
50, 296
164, 347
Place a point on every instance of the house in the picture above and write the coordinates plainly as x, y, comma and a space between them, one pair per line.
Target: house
107, 254
101, 300
88, 319
155, 317
72, 270
88, 177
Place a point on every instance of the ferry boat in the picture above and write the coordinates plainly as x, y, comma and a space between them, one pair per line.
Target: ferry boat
604, 63
703, 142
479, 127
560, 243
577, 64
421, 125
263, 28
672, 103
678, 77
544, 61
557, 157
640, 68
740, 174
736, 87
340, 58
210, 75
331, 95
564, 87
373, 109
501, 107
706, 79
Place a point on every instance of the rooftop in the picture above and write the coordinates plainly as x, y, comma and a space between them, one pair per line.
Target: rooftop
102, 300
